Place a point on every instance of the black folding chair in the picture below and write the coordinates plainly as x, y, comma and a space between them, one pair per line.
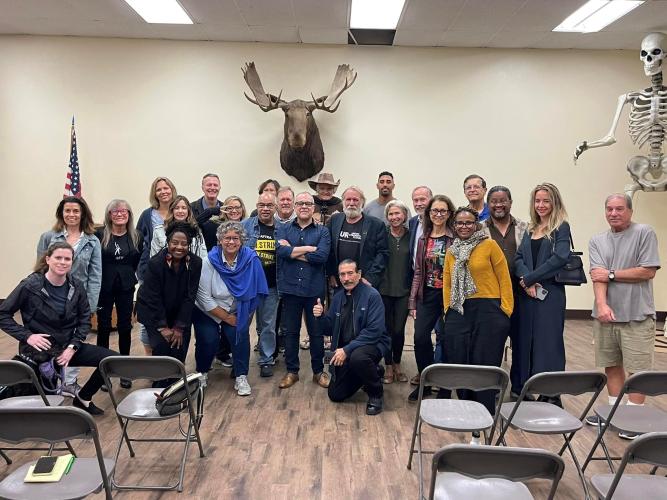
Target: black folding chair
545, 418
13, 373
139, 406
468, 472
54, 425
631, 418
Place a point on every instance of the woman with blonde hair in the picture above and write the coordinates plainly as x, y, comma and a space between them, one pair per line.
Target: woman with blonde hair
233, 209
543, 252
180, 210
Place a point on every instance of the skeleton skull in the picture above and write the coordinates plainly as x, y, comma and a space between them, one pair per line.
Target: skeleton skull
652, 53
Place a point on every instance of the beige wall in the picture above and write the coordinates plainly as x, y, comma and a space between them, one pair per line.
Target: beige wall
147, 108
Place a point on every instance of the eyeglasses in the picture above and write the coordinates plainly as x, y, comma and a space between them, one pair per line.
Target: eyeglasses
231, 239
265, 205
473, 188
119, 211
506, 202
435, 211
233, 209
304, 203
464, 223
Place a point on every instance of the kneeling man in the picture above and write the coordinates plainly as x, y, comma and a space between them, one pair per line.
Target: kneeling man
355, 321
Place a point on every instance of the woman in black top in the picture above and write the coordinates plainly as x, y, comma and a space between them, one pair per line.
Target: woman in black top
167, 294
121, 250
56, 319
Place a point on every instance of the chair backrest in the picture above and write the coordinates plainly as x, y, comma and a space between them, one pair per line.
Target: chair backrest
648, 383
473, 377
482, 462
142, 367
14, 372
570, 382
650, 448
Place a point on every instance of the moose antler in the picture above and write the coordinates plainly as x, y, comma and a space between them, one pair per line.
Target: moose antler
343, 80
266, 102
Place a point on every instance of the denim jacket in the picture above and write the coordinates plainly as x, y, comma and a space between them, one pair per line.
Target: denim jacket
251, 227
296, 277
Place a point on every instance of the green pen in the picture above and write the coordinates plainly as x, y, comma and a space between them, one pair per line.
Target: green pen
69, 465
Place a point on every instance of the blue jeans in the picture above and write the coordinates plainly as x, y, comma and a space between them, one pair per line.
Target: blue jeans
266, 326
293, 309
207, 335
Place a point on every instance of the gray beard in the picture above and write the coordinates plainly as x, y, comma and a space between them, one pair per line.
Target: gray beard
352, 213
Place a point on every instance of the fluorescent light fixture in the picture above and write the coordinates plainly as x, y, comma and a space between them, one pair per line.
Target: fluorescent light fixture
376, 14
160, 11
596, 14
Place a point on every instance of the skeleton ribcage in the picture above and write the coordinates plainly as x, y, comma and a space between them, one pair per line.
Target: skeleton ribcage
648, 118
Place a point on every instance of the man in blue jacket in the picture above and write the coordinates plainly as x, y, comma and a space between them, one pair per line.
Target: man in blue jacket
360, 341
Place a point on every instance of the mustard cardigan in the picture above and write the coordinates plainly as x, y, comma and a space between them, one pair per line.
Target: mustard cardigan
490, 273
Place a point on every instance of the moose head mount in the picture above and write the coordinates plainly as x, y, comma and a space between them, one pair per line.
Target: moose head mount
301, 153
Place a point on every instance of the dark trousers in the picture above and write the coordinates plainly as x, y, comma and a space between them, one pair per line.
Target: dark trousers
515, 372
208, 333
429, 313
294, 308
124, 300
395, 316
359, 370
91, 355
161, 347
476, 337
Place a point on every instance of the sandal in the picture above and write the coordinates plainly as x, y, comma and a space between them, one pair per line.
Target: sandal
388, 375
305, 344
399, 376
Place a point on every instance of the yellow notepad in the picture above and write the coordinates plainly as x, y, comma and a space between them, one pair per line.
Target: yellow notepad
55, 475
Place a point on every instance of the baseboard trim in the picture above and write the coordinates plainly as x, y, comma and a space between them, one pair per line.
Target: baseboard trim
586, 314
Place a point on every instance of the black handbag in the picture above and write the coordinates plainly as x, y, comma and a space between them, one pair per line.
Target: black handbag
572, 274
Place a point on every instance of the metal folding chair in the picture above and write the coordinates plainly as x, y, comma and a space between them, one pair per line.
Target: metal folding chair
54, 425
455, 415
651, 449
139, 406
462, 472
629, 418
13, 373
545, 418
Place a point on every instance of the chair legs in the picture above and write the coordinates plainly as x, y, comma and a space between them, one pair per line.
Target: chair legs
7, 459
582, 478
600, 441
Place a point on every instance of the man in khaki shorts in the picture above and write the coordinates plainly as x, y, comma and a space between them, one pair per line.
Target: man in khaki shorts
623, 263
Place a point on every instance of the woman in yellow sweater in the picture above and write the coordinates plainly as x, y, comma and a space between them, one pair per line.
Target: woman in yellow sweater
478, 300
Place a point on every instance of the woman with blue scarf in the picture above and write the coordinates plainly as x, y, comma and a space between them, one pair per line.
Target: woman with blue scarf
232, 284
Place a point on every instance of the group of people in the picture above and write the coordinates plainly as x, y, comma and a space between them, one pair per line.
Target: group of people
353, 271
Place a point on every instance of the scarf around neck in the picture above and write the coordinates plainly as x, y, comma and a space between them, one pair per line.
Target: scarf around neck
246, 282
462, 283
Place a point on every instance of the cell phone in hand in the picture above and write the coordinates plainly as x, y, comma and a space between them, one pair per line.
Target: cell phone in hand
541, 293
45, 465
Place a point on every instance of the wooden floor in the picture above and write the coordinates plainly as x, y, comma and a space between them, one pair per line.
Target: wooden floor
296, 444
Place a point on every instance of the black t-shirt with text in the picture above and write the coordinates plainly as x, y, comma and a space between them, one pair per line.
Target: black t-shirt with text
266, 250
349, 241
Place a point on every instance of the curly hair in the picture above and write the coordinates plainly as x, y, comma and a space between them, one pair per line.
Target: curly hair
180, 227
232, 226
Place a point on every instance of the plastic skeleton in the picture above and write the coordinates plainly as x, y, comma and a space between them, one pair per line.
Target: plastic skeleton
647, 122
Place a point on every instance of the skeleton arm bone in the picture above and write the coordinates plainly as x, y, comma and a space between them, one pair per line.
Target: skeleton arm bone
608, 139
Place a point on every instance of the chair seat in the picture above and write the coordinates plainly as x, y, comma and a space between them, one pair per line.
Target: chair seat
632, 486
140, 405
83, 479
540, 418
455, 486
455, 415
30, 401
641, 419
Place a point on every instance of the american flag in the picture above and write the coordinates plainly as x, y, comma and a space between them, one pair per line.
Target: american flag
73, 181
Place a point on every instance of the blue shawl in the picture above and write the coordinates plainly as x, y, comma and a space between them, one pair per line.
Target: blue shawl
246, 282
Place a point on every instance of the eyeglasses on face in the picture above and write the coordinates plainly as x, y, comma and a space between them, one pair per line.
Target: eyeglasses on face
231, 239
233, 209
436, 211
119, 211
304, 203
464, 223
265, 205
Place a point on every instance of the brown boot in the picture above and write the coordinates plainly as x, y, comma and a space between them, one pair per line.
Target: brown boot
321, 379
289, 380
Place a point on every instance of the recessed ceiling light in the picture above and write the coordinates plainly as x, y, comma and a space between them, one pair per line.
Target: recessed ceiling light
376, 14
160, 11
596, 14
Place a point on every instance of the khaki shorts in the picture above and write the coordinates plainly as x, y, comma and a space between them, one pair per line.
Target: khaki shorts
630, 345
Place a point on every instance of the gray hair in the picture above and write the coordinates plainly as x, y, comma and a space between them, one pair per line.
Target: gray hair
285, 188
310, 196
231, 226
396, 203
430, 193
624, 196
359, 192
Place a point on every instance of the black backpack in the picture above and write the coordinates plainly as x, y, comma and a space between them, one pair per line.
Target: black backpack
174, 399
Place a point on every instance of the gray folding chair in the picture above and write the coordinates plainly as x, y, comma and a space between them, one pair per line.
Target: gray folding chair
13, 373
139, 406
455, 415
537, 417
462, 471
54, 425
628, 418
651, 449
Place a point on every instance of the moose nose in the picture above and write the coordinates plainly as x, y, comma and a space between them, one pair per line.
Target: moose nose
297, 141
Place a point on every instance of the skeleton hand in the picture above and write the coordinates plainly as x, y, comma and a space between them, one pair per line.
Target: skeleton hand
580, 149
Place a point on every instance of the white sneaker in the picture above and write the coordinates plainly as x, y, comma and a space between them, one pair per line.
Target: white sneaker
203, 382
475, 439
242, 386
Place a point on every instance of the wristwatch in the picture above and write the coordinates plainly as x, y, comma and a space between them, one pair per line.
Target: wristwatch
73, 347
612, 275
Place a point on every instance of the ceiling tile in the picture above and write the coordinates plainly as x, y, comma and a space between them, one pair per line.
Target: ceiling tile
228, 33
516, 39
650, 16
417, 38
465, 39
213, 12
430, 14
324, 13
541, 15
267, 12
323, 35
485, 15
275, 34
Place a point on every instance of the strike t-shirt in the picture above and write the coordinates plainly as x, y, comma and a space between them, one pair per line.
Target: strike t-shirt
349, 241
266, 250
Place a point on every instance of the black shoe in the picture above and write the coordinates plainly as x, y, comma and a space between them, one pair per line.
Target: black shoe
556, 401
104, 388
232, 374
380, 369
444, 394
414, 395
125, 383
266, 371
90, 408
374, 405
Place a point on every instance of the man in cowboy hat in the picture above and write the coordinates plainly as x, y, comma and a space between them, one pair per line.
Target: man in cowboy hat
326, 204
